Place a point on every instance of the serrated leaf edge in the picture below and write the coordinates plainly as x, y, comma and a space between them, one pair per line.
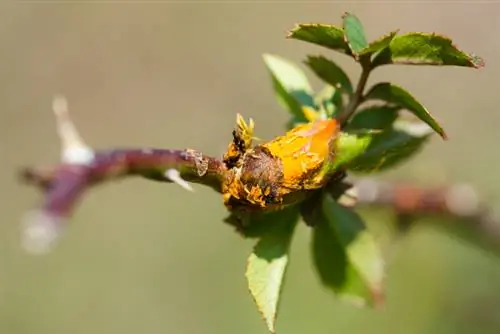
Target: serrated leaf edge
270, 323
474, 60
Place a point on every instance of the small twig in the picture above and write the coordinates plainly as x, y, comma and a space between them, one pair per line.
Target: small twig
64, 184
410, 201
357, 97
82, 167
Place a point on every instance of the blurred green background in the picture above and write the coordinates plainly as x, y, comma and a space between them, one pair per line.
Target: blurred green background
141, 257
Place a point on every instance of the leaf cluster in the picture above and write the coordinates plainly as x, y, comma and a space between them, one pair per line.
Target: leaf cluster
376, 136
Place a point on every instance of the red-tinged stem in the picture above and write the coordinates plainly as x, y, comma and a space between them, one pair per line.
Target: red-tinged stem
411, 201
149, 163
192, 165
64, 184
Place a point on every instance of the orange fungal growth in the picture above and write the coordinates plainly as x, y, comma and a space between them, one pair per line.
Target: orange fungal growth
242, 141
279, 172
303, 152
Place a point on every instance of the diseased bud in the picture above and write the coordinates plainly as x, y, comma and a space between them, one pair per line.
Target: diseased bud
242, 141
279, 172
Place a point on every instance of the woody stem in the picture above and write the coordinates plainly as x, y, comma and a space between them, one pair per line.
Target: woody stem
409, 201
64, 184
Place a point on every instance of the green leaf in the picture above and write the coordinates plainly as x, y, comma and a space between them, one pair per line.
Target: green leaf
425, 49
330, 72
379, 44
338, 102
374, 117
351, 145
290, 85
324, 101
266, 268
257, 224
325, 35
392, 147
394, 94
346, 256
329, 101
354, 33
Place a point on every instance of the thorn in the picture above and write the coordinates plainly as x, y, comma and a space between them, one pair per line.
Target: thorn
74, 149
462, 199
40, 232
174, 176
366, 190
350, 197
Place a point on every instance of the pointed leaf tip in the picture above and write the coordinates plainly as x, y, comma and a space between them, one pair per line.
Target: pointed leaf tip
267, 265
416, 48
354, 33
265, 281
477, 61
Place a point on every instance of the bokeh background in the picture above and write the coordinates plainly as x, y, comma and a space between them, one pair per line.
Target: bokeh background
141, 257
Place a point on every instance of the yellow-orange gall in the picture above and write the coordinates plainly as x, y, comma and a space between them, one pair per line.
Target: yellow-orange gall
303, 152
282, 171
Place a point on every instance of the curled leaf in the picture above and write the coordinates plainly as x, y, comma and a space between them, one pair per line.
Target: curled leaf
417, 48
391, 93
